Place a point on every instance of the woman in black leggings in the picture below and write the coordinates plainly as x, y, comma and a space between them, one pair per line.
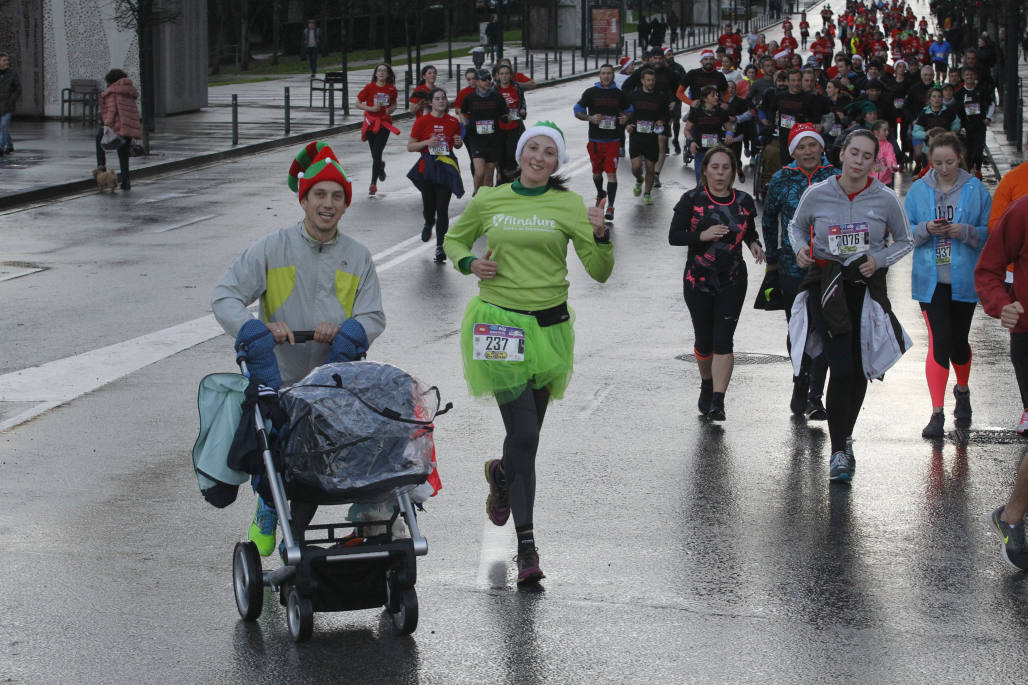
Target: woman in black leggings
848, 221
436, 174
378, 100
714, 220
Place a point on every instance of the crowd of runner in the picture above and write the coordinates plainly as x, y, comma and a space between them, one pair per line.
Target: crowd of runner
827, 123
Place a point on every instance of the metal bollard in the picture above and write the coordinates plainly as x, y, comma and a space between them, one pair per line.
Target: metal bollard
285, 111
235, 120
573, 63
515, 64
406, 88
331, 104
346, 93
560, 64
546, 65
531, 66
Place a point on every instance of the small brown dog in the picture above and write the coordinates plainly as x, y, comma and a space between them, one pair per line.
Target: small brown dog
105, 179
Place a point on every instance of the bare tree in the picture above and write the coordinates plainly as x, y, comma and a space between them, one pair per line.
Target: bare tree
142, 17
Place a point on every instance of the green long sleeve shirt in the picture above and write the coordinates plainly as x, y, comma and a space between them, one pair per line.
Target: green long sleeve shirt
528, 232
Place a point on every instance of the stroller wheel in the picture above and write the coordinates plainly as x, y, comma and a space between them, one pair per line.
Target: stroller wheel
300, 616
405, 618
247, 580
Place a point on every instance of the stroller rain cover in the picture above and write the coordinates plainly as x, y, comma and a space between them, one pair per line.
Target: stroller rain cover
357, 431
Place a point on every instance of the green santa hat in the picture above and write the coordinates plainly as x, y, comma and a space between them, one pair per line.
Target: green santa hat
551, 131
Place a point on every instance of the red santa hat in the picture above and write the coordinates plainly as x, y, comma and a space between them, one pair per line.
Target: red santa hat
707, 53
782, 54
801, 131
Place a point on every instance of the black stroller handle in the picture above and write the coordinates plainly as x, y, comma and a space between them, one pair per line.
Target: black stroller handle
303, 336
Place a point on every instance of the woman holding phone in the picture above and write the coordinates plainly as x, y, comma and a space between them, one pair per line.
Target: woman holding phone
949, 210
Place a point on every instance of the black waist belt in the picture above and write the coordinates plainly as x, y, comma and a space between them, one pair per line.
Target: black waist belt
545, 317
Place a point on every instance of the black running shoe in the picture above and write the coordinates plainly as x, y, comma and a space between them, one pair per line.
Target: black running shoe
717, 409
800, 386
936, 426
815, 410
382, 172
529, 572
656, 181
608, 216
440, 256
963, 409
426, 233
706, 396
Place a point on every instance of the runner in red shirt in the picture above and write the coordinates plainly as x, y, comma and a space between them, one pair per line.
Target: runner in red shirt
513, 128
378, 101
436, 174
804, 29
788, 42
787, 25
419, 98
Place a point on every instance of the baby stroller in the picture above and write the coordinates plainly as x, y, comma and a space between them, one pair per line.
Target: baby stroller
357, 432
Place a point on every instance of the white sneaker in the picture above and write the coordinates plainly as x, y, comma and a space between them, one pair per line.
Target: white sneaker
1022, 427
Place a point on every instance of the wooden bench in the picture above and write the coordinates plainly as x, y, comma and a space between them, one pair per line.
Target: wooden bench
332, 83
85, 93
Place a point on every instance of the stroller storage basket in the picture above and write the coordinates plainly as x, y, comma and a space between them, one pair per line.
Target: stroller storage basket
358, 431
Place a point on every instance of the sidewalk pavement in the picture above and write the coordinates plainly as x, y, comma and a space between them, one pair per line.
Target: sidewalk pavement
54, 159
1004, 153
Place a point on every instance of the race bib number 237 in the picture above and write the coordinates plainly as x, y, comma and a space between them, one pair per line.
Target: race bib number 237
492, 342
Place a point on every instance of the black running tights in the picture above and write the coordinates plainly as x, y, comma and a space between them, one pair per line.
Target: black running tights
1019, 358
523, 418
714, 317
435, 203
846, 381
377, 143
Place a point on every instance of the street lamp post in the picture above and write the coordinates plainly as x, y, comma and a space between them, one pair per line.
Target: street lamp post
387, 53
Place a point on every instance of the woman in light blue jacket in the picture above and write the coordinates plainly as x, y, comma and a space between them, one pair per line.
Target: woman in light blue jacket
949, 211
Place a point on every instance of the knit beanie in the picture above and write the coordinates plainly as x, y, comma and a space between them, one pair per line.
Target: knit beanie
315, 163
550, 130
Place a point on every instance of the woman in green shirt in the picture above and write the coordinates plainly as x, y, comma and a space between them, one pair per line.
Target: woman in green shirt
517, 339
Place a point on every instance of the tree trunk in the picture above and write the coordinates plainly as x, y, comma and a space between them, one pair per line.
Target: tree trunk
244, 35
218, 53
276, 34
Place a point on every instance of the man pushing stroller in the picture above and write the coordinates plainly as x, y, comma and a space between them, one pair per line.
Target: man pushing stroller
308, 276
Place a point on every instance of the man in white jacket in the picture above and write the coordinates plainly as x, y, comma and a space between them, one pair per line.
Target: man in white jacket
308, 276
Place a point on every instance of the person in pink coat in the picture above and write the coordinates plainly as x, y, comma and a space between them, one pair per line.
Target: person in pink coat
886, 165
118, 110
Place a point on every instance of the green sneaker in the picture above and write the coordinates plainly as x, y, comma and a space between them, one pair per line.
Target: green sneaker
637, 189
262, 529
647, 200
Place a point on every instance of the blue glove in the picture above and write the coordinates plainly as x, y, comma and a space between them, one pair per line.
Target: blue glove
257, 345
350, 343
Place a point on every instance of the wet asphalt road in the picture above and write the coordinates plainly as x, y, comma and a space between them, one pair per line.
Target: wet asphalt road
676, 550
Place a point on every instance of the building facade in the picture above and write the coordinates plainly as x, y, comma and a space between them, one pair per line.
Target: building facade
52, 42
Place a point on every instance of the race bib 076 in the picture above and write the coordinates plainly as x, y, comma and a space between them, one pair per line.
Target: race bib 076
484, 127
846, 240
492, 342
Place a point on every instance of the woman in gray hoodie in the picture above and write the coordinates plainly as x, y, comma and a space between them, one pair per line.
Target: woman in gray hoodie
842, 226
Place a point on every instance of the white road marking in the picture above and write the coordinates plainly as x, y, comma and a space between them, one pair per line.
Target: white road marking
494, 557
63, 380
10, 276
403, 257
185, 223
162, 198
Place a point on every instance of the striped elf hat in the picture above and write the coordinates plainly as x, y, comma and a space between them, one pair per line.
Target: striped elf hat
315, 163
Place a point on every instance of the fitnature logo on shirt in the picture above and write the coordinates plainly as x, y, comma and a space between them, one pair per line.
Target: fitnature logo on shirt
514, 223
